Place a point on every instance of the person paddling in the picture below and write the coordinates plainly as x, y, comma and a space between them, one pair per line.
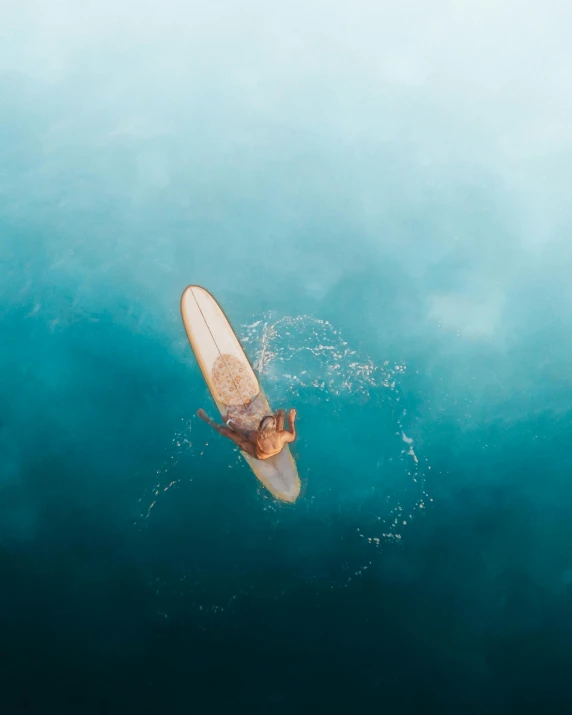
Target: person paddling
262, 443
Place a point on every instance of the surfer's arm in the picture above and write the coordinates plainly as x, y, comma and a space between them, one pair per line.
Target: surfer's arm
290, 433
279, 420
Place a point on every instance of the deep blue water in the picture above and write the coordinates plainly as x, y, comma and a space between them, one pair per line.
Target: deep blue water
380, 198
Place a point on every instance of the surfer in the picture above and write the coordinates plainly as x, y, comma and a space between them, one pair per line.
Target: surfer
264, 442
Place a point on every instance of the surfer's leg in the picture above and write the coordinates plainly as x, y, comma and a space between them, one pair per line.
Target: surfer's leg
244, 443
219, 428
203, 415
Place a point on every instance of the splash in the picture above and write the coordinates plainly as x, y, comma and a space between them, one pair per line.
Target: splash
180, 444
297, 357
305, 352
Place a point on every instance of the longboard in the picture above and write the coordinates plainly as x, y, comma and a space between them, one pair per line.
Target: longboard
234, 386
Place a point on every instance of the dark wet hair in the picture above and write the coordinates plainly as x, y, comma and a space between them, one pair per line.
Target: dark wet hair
264, 420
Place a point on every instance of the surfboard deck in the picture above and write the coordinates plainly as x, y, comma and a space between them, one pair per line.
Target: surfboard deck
234, 386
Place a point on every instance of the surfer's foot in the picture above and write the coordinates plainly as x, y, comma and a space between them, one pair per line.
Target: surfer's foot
203, 415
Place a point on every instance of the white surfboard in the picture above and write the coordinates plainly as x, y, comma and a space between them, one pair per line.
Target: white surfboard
234, 386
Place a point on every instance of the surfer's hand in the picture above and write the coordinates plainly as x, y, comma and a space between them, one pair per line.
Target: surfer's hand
203, 415
292, 415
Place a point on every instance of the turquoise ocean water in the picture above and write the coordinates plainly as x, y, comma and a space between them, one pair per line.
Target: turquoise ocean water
380, 197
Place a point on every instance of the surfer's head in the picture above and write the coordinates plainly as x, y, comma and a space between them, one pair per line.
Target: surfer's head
267, 424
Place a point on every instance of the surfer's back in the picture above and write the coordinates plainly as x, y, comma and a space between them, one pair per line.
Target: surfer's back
271, 435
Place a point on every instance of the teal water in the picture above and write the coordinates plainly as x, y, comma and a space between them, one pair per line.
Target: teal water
381, 200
